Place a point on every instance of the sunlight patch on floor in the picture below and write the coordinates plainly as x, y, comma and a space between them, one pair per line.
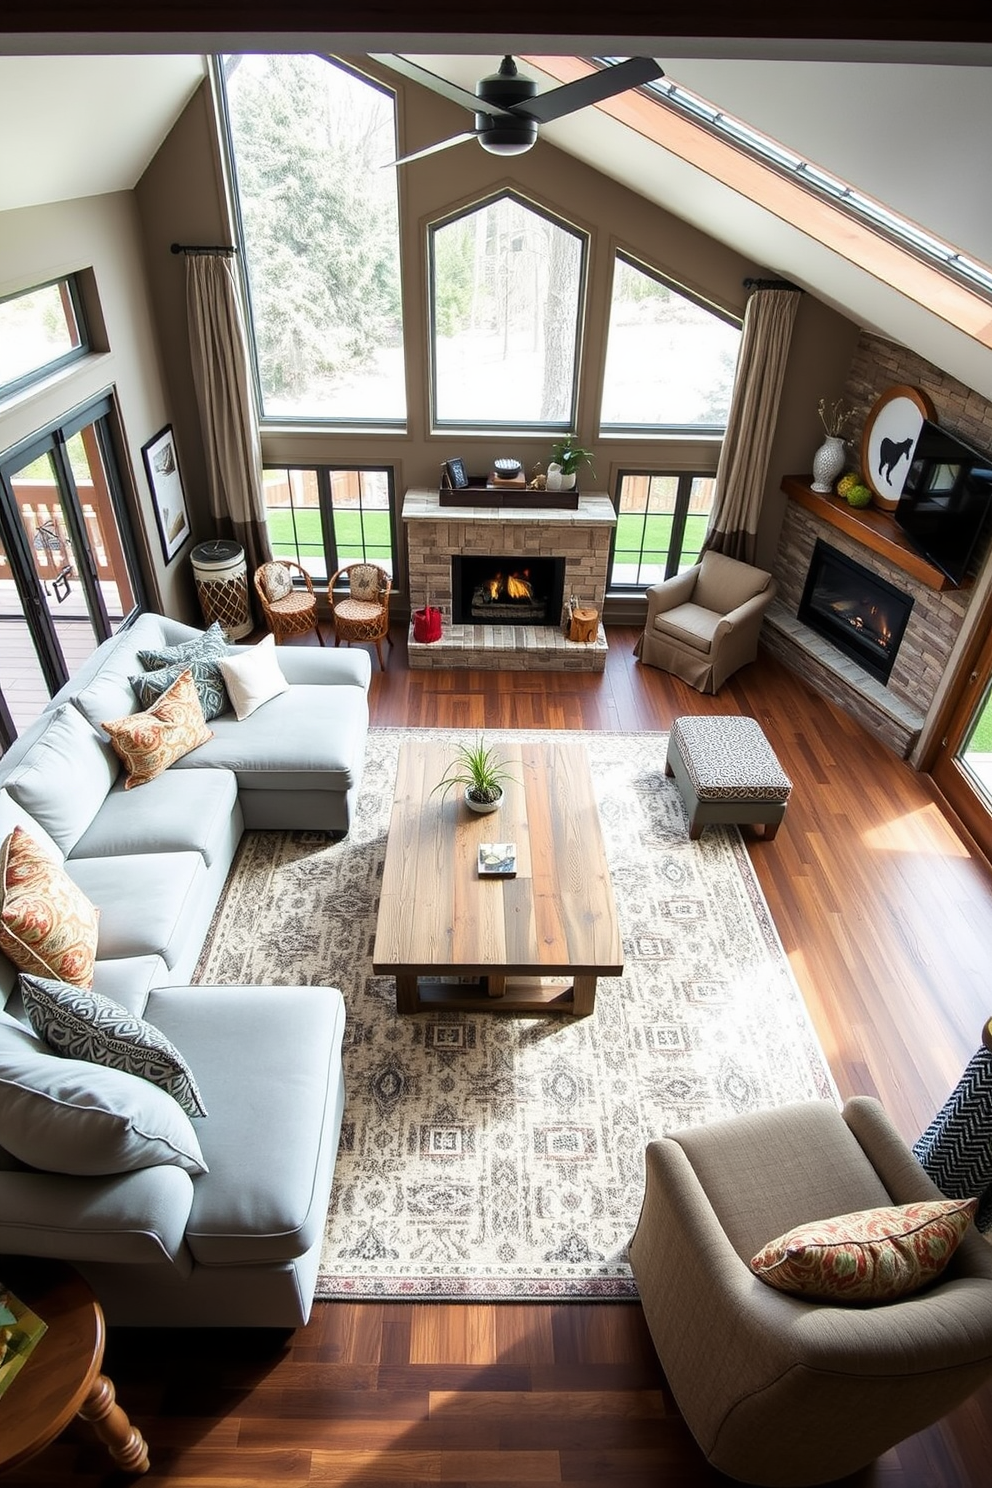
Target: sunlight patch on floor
923, 831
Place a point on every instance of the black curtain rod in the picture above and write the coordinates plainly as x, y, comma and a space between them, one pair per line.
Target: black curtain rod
770, 284
203, 248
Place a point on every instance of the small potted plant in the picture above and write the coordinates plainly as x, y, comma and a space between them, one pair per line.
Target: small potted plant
569, 457
481, 772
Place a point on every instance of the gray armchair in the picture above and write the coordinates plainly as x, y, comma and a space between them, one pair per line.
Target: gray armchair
703, 624
778, 1389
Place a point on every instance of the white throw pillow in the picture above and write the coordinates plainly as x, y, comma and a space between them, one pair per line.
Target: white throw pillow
253, 677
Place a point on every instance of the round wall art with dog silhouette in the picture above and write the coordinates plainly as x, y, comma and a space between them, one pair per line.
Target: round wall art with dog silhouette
891, 431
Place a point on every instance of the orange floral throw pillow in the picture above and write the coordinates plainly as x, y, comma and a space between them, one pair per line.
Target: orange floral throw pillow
149, 742
47, 925
875, 1256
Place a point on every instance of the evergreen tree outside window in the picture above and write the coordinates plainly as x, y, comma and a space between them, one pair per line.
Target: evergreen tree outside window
507, 284
320, 234
670, 359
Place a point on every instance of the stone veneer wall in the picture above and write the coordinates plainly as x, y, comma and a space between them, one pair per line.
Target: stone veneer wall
937, 616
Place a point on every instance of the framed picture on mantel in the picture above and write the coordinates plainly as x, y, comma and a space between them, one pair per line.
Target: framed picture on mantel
891, 431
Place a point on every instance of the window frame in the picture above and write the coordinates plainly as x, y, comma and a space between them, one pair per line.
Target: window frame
269, 421
323, 471
685, 479
515, 426
65, 359
655, 430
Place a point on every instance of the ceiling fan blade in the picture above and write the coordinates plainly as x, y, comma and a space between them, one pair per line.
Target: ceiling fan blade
456, 139
451, 91
594, 88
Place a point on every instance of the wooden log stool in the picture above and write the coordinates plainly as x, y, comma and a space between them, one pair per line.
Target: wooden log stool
727, 772
583, 624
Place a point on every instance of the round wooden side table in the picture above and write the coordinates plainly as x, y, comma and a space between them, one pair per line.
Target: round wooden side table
62, 1377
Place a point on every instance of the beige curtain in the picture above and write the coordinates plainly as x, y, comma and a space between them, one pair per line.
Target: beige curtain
769, 316
219, 354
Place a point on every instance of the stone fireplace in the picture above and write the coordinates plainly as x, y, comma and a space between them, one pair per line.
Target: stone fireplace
859, 611
453, 550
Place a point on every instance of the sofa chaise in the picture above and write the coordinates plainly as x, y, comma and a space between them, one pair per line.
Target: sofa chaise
179, 1220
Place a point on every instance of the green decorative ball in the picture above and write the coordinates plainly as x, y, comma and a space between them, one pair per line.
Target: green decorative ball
859, 496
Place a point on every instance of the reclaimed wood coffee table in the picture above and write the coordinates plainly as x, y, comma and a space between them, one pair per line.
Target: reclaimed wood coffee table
533, 943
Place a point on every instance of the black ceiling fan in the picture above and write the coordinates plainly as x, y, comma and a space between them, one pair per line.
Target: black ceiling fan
507, 106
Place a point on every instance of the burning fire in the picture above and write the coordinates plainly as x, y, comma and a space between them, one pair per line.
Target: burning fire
515, 586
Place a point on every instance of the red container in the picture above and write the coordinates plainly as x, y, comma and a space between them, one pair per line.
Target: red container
427, 624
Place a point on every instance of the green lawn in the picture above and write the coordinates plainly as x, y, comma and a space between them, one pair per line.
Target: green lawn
981, 735
348, 534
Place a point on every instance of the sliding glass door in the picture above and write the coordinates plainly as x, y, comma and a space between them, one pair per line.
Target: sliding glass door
68, 568
963, 766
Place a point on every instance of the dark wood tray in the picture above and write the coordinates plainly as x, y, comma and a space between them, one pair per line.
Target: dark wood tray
478, 492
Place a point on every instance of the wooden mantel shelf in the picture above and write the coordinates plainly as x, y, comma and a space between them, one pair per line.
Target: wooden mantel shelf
869, 525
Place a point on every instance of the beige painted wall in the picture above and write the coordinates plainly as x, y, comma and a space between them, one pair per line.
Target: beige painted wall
181, 198
100, 238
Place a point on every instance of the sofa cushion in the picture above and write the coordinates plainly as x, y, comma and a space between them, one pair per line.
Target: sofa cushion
48, 925
253, 677
149, 742
309, 738
80, 1024
148, 902
875, 1255
180, 811
201, 656
65, 777
269, 1099
725, 583
100, 688
68, 1116
689, 623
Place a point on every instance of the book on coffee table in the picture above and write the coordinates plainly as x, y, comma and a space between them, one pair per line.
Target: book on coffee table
20, 1330
497, 859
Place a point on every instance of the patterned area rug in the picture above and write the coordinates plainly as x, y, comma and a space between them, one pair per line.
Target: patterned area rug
492, 1157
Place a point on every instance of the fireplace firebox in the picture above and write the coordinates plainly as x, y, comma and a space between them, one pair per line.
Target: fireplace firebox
861, 613
507, 590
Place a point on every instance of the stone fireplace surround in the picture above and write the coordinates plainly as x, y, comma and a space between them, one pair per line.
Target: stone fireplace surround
435, 534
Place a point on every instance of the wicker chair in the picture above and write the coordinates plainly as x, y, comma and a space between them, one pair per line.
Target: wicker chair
363, 613
288, 611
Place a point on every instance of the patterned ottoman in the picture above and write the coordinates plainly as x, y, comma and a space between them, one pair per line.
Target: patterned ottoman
727, 771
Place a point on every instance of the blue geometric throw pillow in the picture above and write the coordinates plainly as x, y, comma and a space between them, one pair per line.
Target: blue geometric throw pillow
79, 1024
200, 656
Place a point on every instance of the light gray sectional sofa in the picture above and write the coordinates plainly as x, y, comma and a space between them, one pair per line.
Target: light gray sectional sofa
160, 1240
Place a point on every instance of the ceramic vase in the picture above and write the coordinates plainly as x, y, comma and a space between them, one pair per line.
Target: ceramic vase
828, 462
568, 481
482, 807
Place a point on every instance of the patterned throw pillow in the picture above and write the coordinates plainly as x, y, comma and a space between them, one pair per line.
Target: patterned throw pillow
150, 742
277, 581
201, 656
47, 924
874, 1256
83, 1025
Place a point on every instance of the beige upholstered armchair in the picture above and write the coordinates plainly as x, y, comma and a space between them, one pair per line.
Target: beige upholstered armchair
779, 1389
703, 624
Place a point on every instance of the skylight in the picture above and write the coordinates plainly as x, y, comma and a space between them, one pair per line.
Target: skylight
822, 183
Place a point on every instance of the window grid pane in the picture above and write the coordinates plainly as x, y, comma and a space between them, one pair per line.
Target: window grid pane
360, 517
320, 229
39, 330
506, 291
661, 523
670, 361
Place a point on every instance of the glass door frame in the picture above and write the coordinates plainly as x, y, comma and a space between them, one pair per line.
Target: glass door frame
949, 775
101, 415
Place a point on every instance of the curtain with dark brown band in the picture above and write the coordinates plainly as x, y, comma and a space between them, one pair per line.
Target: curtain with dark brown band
219, 354
769, 316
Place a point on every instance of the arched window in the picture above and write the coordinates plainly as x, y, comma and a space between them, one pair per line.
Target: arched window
507, 282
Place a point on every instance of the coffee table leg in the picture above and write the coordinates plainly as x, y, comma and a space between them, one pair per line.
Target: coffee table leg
495, 984
123, 1441
583, 996
407, 996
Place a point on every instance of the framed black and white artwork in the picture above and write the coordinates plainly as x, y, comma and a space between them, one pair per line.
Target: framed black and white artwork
889, 439
454, 474
168, 496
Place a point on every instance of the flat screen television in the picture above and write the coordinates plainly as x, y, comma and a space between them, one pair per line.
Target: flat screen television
945, 500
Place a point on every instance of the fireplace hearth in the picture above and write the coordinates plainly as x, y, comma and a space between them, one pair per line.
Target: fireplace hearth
857, 610
507, 590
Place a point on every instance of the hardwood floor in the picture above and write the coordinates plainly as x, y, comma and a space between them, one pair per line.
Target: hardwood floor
886, 915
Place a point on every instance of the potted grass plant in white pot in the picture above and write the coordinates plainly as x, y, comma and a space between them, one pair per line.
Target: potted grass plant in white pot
478, 769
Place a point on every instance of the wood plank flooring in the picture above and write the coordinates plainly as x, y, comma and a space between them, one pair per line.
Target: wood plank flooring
886, 915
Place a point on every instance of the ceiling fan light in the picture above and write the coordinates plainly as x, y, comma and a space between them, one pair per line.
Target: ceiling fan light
506, 136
